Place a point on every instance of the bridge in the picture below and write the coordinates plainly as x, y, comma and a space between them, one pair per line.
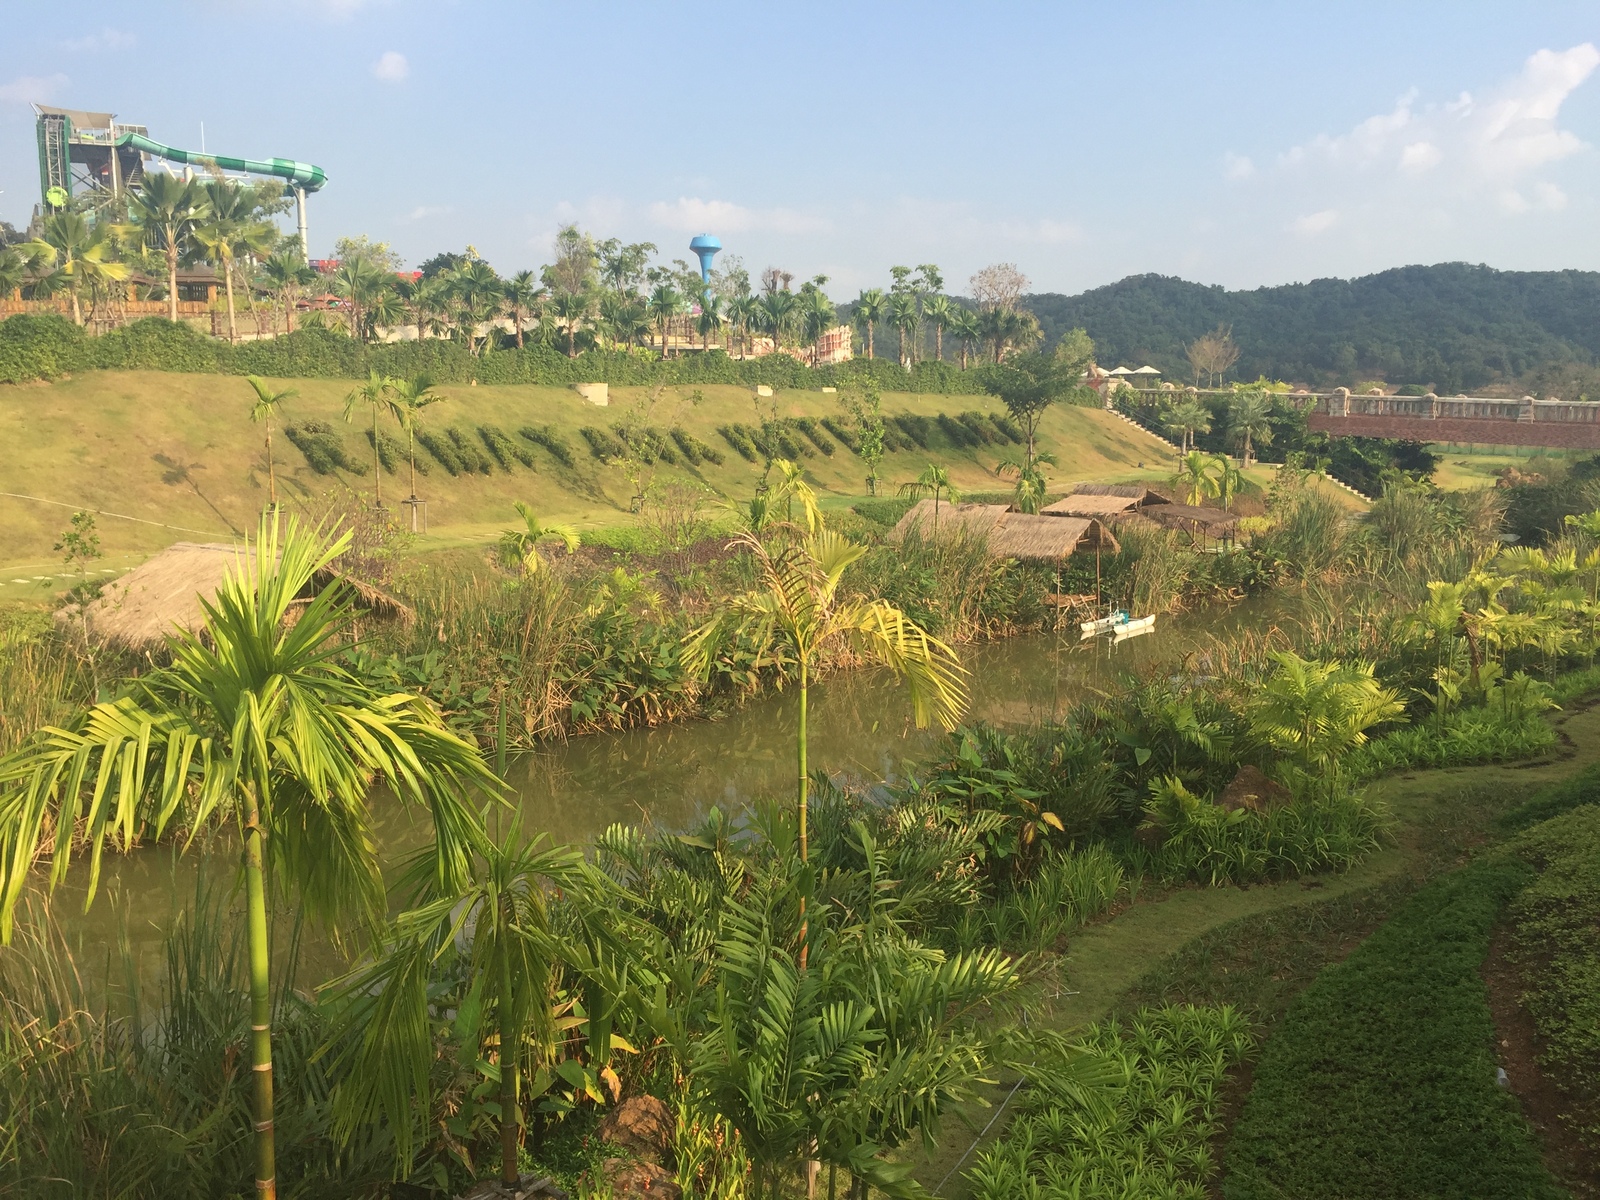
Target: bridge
1556, 424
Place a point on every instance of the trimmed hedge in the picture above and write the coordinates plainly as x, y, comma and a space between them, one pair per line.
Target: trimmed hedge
1380, 1082
46, 345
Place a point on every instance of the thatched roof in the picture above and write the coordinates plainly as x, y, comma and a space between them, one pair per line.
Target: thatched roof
1212, 522
1100, 507
1009, 534
164, 594
1138, 492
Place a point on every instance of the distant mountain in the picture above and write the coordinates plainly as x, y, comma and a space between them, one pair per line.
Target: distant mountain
1456, 327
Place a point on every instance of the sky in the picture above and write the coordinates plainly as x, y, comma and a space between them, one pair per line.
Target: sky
1241, 144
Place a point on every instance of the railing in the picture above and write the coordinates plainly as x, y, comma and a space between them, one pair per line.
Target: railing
1342, 403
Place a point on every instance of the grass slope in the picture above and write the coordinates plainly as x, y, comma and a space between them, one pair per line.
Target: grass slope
180, 450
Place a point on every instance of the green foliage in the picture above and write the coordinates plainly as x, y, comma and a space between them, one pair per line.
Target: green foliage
505, 451
42, 346
603, 444
443, 451
693, 449
1465, 737
813, 430
848, 437
1380, 1081
738, 437
546, 436
323, 446
392, 454
1556, 923
468, 453
885, 511
1148, 1135
1554, 799
917, 429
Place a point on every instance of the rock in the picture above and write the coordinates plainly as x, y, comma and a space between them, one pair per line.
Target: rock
641, 1125
529, 1187
1252, 790
638, 1180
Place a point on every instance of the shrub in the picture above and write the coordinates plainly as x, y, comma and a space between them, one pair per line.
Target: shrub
602, 444
443, 451
1069, 890
1147, 1135
552, 441
918, 430
156, 343
504, 450
885, 511
467, 452
693, 449
392, 453
958, 433
1008, 428
736, 437
1380, 1081
323, 447
1466, 736
41, 346
850, 438
978, 427
813, 430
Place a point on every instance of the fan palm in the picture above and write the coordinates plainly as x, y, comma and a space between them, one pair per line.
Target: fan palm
798, 615
480, 296
571, 311
377, 394
938, 310
231, 230
358, 280
1186, 420
901, 313
665, 303
711, 319
258, 723
522, 295
285, 273
168, 209
935, 480
1249, 422
266, 403
497, 928
869, 311
408, 397
777, 313
817, 316
519, 548
76, 254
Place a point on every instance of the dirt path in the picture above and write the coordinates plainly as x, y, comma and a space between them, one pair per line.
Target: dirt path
1104, 962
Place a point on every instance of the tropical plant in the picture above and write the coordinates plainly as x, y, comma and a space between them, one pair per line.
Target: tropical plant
286, 272
359, 281
869, 311
934, 480
519, 548
480, 296
937, 310
868, 416
1028, 385
377, 393
1196, 479
523, 291
168, 209
711, 320
231, 229
1187, 419
1318, 711
257, 722
799, 614
963, 324
902, 314
266, 403
408, 397
1249, 423
76, 254
817, 316
665, 303
777, 312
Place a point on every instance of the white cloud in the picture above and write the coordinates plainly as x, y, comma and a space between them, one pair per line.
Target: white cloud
694, 215
1237, 166
107, 39
1318, 222
423, 211
28, 88
392, 67
1515, 130
1420, 156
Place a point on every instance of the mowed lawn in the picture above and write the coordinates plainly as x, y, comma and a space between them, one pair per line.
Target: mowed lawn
180, 450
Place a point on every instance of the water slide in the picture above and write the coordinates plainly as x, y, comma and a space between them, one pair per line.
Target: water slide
302, 177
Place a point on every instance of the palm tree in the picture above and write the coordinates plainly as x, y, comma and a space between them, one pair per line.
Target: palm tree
711, 319
742, 313
797, 616
963, 323
665, 303
76, 253
1229, 478
1196, 476
359, 280
933, 479
1320, 711
522, 295
229, 230
498, 930
777, 311
480, 295
519, 548
258, 723
869, 311
286, 272
266, 403
168, 209
571, 310
1186, 420
408, 397
377, 394
938, 310
15, 269
902, 314
817, 316
1249, 421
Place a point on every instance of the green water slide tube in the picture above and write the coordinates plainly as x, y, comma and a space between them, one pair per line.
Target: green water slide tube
300, 175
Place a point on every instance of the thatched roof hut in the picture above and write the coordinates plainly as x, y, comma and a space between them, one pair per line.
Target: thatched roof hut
1100, 508
1191, 518
1141, 494
164, 594
1009, 534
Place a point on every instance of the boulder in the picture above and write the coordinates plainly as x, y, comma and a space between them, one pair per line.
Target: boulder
1252, 790
529, 1187
641, 1125
633, 1179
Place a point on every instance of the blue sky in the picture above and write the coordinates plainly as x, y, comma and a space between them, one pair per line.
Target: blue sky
1232, 143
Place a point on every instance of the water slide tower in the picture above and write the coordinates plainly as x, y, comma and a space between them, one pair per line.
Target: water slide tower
705, 247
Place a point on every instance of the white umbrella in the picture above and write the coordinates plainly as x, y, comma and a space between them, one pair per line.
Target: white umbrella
1147, 369
1119, 371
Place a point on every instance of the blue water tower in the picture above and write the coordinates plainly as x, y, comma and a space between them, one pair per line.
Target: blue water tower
705, 247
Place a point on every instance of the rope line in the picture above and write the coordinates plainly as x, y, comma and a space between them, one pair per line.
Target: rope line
100, 512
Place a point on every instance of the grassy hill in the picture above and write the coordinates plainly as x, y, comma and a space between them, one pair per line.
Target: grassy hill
179, 451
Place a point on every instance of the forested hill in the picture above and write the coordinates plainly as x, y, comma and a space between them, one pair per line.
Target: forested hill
1454, 326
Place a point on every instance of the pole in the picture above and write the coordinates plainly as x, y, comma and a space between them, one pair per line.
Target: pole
116, 167
300, 203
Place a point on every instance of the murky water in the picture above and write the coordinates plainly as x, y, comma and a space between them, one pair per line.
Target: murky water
861, 725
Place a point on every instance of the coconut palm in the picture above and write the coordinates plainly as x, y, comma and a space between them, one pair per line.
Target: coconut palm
869, 311
358, 281
711, 320
522, 295
937, 311
797, 616
963, 324
286, 272
934, 480
498, 930
665, 303
1249, 422
901, 313
777, 314
519, 548
1197, 477
266, 403
407, 399
168, 209
76, 253
231, 230
377, 394
256, 723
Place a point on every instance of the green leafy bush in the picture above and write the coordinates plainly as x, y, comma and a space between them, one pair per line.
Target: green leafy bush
917, 429
813, 430
1148, 1134
41, 346
736, 437
323, 447
392, 453
504, 450
849, 437
958, 433
467, 452
693, 449
552, 441
443, 451
885, 511
1380, 1080
158, 344
1466, 736
602, 444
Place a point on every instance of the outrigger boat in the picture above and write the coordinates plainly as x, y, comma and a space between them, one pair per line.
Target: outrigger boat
1119, 625
1133, 628
1104, 624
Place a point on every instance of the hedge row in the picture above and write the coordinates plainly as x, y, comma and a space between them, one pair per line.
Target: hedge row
44, 346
